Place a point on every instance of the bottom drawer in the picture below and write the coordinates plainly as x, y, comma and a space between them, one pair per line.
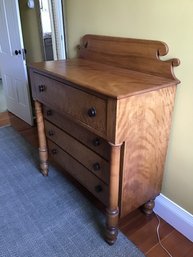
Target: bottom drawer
98, 188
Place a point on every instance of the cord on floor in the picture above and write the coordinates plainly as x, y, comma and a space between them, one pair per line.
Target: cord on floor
158, 236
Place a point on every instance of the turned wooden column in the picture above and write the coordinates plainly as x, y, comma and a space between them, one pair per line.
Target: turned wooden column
43, 151
112, 211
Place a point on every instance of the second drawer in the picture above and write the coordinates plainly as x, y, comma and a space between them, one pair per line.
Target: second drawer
91, 140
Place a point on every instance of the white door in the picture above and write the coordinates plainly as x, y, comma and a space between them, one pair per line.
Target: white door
12, 62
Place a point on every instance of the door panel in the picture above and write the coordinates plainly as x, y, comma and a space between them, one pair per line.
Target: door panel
13, 66
4, 41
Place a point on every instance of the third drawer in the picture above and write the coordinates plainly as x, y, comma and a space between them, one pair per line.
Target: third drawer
93, 184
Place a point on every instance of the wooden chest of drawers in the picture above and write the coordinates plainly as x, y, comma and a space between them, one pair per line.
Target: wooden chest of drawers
105, 118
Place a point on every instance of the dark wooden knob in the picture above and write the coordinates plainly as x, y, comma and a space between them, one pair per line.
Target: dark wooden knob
96, 166
42, 88
96, 141
49, 112
98, 188
50, 132
54, 151
92, 112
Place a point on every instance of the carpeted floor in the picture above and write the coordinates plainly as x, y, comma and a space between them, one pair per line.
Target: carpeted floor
46, 216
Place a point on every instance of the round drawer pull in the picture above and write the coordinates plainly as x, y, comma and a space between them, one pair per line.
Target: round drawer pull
42, 88
50, 133
96, 166
92, 112
96, 141
98, 188
49, 112
54, 151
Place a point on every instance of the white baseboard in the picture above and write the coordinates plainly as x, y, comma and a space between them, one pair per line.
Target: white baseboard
176, 216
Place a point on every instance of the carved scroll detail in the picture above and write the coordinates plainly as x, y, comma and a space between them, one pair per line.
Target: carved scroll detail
135, 54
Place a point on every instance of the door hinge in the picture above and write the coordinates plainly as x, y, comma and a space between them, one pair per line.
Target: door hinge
24, 53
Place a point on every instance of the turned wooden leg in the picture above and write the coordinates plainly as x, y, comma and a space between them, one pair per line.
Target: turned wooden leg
112, 212
148, 207
43, 152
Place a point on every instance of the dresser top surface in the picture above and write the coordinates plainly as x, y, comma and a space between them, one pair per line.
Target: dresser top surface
101, 78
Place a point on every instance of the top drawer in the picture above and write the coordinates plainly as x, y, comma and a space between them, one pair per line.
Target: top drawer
75, 103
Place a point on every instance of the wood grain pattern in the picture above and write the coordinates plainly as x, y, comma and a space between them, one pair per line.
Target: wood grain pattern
145, 124
133, 54
80, 152
141, 230
92, 141
27, 131
106, 80
138, 228
112, 211
176, 249
4, 119
120, 90
43, 151
96, 186
71, 102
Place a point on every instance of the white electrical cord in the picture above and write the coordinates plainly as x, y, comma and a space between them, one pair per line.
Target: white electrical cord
158, 236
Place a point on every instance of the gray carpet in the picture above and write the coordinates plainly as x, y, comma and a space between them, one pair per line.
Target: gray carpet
46, 216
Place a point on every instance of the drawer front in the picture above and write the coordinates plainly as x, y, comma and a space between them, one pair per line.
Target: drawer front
98, 188
94, 142
92, 161
78, 105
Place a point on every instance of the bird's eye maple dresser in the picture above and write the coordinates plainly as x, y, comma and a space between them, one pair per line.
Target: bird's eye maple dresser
105, 118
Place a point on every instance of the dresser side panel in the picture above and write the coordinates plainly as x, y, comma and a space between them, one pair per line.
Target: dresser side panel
144, 121
112, 120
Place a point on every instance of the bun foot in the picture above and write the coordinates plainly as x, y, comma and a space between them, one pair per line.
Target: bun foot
148, 207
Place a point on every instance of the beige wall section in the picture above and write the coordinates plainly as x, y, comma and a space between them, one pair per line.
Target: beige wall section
30, 29
169, 21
